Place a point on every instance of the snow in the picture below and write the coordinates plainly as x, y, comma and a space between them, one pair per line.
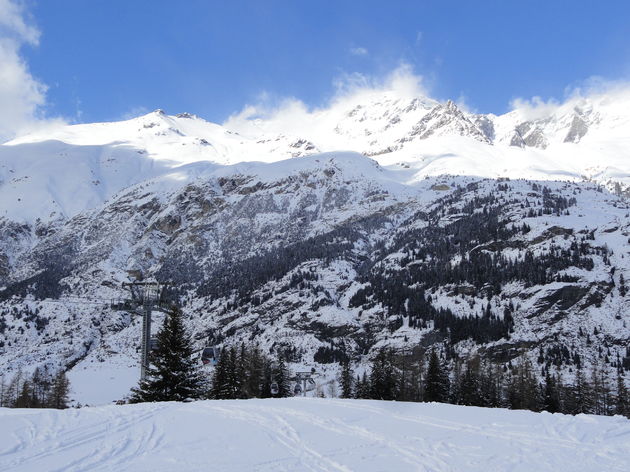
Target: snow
102, 174
103, 345
309, 434
100, 384
62, 172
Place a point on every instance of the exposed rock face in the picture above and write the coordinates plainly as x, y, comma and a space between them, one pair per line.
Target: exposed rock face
448, 119
529, 134
578, 129
485, 124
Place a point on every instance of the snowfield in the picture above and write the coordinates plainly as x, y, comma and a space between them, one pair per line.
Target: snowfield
309, 434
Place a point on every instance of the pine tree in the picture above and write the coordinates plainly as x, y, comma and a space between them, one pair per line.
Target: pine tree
346, 380
551, 397
242, 373
222, 388
382, 377
437, 384
256, 373
362, 389
282, 377
470, 389
268, 372
172, 375
233, 380
490, 384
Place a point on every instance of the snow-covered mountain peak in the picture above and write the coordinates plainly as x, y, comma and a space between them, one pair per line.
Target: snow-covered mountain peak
446, 120
585, 137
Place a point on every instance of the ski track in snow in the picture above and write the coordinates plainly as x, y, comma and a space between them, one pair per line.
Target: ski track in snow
310, 435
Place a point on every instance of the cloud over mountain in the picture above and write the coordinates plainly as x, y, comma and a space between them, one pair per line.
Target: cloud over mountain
22, 95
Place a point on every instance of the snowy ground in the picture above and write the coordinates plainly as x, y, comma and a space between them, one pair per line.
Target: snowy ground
309, 434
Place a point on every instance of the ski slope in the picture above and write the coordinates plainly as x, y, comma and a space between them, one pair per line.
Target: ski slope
301, 434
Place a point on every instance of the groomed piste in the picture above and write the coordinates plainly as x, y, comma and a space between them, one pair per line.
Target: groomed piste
305, 434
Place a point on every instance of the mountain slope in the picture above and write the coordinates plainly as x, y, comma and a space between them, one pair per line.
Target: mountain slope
449, 237
329, 252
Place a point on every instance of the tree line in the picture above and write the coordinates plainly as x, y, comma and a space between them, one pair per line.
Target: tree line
42, 389
478, 383
246, 372
241, 372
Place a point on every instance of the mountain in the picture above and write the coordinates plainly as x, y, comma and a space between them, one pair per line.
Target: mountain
439, 228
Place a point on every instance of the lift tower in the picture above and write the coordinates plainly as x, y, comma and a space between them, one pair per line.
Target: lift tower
145, 297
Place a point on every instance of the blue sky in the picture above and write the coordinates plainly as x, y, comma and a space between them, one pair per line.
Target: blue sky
102, 60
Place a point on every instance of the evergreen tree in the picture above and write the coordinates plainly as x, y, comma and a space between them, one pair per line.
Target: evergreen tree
222, 387
255, 373
346, 380
382, 377
362, 387
551, 397
233, 380
437, 384
282, 377
491, 385
242, 373
172, 375
470, 388
268, 373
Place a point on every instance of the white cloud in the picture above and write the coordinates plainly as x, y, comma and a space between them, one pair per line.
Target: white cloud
598, 87
22, 96
292, 116
593, 89
534, 108
358, 51
401, 81
13, 25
